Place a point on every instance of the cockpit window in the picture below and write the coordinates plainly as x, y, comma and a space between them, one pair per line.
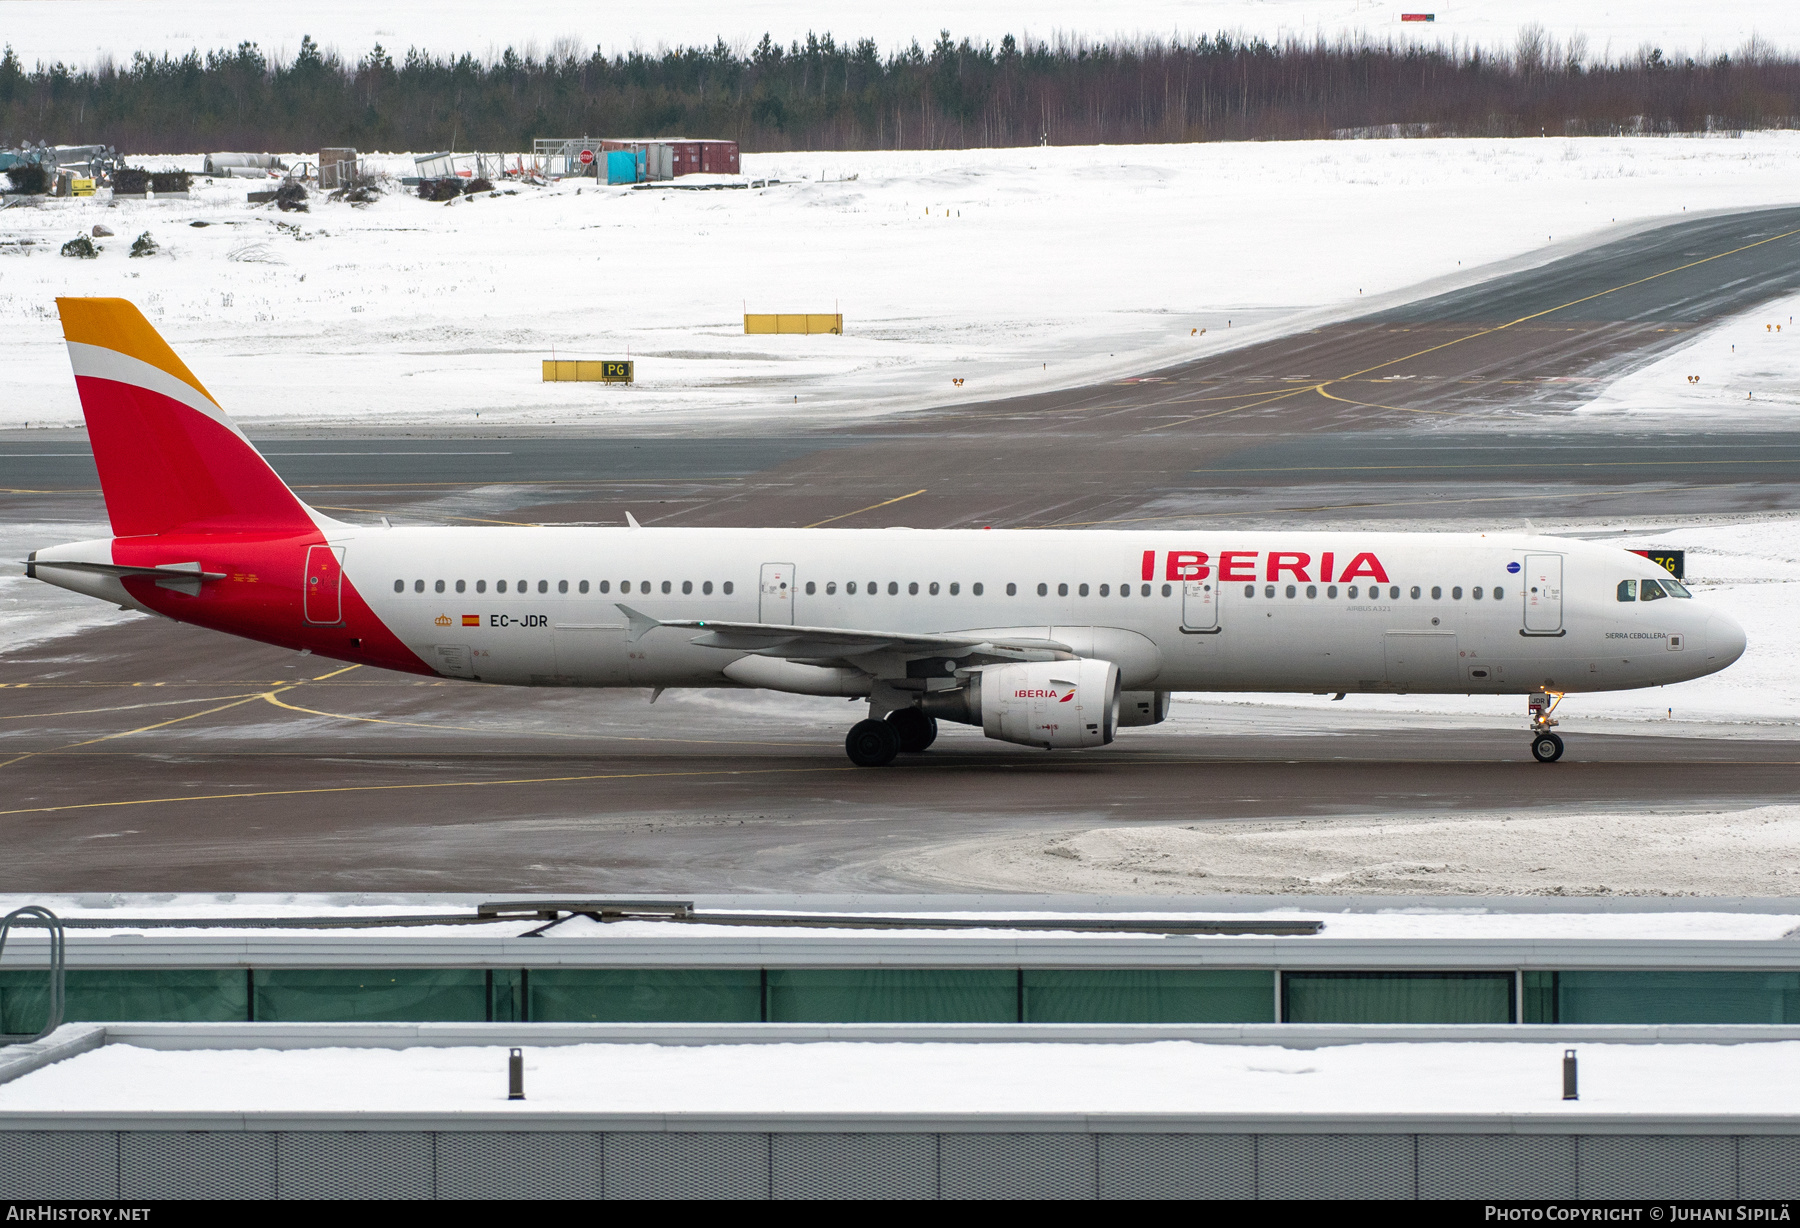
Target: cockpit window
1675, 588
1627, 590
1650, 590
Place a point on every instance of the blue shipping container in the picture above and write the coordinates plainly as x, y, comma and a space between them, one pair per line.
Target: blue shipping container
621, 166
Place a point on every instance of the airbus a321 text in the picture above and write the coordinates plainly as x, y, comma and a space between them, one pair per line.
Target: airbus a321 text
1044, 639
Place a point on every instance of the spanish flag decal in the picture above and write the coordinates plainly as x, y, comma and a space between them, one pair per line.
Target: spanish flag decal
471, 620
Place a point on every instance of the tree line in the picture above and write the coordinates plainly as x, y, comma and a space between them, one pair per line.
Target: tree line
825, 95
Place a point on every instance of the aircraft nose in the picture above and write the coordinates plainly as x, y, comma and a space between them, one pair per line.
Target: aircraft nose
1724, 640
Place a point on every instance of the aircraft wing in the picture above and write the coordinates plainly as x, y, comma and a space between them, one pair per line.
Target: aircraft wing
813, 643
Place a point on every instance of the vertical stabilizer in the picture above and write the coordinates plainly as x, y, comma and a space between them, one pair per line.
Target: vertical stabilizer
169, 457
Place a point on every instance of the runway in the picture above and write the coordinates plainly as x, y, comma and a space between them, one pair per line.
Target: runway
153, 757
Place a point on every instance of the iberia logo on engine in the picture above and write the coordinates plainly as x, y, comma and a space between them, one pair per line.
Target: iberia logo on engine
1046, 694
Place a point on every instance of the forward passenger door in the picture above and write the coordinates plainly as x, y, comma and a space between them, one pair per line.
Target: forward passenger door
1543, 594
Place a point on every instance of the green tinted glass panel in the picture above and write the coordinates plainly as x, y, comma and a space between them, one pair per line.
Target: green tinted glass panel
506, 995
628, 995
406, 995
1540, 997
893, 995
1397, 997
1149, 996
178, 995
1678, 997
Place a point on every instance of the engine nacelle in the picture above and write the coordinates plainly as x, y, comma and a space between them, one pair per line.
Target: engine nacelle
1143, 707
1062, 704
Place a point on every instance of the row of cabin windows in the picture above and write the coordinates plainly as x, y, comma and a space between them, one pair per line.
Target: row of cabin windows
873, 588
1416, 592
562, 586
1651, 590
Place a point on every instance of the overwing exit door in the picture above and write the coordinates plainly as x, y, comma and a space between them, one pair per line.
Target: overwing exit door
322, 600
1543, 594
776, 595
1199, 605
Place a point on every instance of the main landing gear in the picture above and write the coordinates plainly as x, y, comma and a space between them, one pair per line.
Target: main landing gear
1546, 747
874, 743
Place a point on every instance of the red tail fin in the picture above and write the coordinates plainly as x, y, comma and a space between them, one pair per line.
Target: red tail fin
169, 457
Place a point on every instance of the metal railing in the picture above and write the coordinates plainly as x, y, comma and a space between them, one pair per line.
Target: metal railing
33, 914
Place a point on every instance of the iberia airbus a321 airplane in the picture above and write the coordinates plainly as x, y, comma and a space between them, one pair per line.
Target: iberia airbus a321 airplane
1044, 639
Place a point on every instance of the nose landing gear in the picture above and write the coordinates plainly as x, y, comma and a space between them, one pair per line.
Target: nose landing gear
1546, 747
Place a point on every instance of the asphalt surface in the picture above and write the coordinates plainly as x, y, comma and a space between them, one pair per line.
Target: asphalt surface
149, 756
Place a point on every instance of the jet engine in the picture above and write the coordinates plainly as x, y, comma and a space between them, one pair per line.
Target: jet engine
1053, 704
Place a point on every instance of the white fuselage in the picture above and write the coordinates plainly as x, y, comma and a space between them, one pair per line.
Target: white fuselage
1237, 611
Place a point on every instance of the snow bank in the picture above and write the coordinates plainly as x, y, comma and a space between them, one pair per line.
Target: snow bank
1766, 834
1013, 270
1156, 1077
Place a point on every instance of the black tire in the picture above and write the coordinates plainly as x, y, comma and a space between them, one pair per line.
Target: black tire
872, 744
1546, 748
917, 731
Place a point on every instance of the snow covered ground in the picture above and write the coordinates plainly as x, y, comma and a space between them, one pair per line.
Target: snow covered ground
1013, 270
1743, 370
1465, 1077
1640, 851
80, 31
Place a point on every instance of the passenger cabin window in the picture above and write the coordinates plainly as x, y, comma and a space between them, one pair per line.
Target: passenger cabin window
1475, 592
1437, 594
1650, 590
975, 589
727, 588
1106, 590
499, 586
418, 586
606, 586
584, 586
399, 586
706, 587
934, 588
912, 588
851, 588
481, 586
811, 588
1012, 590
955, 588
1168, 590
1291, 590
562, 586
667, 587
1312, 590
830, 588
1044, 590
1249, 590
1627, 590
1499, 594
1415, 592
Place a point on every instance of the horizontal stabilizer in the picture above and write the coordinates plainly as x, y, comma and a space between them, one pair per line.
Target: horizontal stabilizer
182, 577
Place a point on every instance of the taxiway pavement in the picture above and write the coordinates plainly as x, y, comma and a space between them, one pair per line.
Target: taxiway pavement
149, 756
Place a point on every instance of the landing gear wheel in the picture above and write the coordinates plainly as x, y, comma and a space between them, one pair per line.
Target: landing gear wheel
1546, 748
916, 730
872, 744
